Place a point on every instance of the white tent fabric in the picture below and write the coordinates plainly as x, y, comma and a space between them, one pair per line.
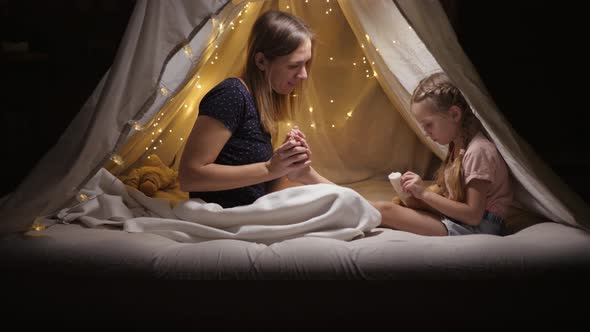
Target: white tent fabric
137, 86
538, 188
156, 28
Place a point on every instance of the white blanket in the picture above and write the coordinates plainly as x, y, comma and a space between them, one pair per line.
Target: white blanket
321, 210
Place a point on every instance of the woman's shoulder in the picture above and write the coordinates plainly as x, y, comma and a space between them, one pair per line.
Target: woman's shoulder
229, 88
228, 84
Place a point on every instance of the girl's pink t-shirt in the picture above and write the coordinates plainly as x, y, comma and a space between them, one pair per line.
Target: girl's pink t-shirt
483, 161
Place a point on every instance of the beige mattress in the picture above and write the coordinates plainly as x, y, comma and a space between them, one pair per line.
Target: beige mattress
542, 249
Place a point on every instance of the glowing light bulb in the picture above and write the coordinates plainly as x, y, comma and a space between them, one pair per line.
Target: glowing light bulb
312, 125
117, 159
38, 224
182, 139
310, 109
81, 197
188, 51
349, 114
331, 100
135, 125
199, 86
331, 58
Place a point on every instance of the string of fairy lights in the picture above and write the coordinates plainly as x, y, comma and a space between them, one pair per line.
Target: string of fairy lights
369, 73
220, 29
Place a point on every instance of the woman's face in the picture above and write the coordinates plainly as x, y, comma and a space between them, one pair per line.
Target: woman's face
441, 126
287, 71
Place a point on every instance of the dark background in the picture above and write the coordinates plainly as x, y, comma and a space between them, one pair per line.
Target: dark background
527, 53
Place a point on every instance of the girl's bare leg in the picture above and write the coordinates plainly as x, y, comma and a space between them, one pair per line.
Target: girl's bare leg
409, 220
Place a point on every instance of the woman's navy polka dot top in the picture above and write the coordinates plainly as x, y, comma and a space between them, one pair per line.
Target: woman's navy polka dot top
230, 103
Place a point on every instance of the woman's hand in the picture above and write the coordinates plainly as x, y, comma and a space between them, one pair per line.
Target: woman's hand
301, 174
290, 156
298, 135
412, 183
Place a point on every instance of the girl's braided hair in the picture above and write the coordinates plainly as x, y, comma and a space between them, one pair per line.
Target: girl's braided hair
439, 90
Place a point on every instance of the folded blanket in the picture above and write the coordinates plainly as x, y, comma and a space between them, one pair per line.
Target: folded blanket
320, 210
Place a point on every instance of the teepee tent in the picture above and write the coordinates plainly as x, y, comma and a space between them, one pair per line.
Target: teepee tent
354, 110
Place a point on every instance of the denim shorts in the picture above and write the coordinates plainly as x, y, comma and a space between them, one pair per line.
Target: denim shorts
490, 224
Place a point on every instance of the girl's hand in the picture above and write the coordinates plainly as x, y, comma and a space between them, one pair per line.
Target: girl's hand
290, 156
412, 183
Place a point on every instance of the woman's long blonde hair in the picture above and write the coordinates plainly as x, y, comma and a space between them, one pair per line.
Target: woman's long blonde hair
275, 34
442, 93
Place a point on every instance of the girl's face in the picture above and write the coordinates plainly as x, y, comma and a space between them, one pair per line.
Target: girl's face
443, 127
289, 70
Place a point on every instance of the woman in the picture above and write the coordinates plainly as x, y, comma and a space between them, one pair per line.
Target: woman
228, 158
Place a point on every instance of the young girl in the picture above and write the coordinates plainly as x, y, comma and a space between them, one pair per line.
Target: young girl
473, 179
228, 158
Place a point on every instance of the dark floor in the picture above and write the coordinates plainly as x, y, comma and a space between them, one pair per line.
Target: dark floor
527, 53
266, 305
